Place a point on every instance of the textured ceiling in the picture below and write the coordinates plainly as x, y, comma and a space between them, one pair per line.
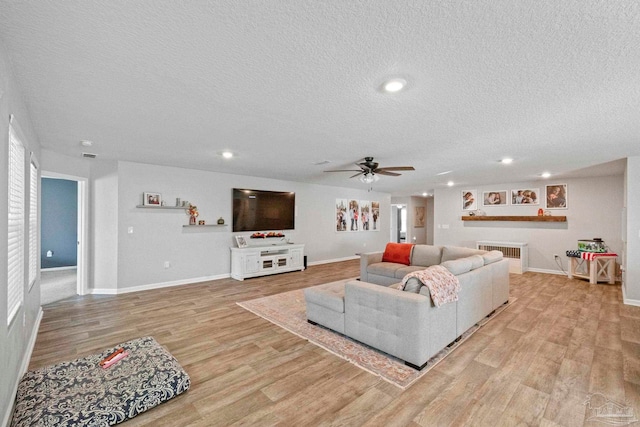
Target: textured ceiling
286, 84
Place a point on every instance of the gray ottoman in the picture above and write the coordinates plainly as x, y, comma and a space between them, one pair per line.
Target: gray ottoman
325, 305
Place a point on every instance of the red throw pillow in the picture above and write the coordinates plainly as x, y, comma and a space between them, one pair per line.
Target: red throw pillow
398, 252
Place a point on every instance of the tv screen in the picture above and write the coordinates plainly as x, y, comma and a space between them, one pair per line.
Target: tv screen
256, 210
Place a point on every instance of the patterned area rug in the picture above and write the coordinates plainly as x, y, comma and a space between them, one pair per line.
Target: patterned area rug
288, 311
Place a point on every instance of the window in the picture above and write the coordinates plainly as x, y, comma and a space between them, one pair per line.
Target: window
33, 221
15, 265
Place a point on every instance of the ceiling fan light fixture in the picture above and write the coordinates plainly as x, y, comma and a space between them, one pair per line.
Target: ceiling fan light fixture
369, 178
394, 85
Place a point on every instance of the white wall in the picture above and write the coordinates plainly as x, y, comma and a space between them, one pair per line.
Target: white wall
194, 254
632, 232
15, 339
594, 210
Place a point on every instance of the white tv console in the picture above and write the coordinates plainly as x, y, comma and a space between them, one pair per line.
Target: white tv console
262, 260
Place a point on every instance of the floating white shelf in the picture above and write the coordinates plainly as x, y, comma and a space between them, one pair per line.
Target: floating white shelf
184, 208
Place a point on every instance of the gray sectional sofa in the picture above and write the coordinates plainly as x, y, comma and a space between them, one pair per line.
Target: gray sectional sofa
406, 324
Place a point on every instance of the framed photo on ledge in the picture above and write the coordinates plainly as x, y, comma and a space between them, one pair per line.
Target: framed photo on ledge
241, 242
151, 199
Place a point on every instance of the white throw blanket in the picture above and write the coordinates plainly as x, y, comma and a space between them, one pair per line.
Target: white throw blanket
443, 285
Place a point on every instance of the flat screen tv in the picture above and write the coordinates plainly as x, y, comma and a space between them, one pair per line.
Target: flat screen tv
257, 210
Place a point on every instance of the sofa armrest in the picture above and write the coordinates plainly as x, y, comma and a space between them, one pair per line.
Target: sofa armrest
388, 319
367, 259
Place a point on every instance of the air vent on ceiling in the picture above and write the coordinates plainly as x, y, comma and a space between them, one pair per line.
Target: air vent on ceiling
89, 155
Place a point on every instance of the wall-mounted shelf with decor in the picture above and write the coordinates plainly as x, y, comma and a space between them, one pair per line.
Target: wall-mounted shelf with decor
205, 225
533, 218
162, 207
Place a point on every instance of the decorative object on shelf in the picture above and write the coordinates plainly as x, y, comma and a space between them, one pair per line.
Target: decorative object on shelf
266, 235
151, 199
220, 221
192, 211
540, 212
178, 201
201, 222
241, 242
547, 213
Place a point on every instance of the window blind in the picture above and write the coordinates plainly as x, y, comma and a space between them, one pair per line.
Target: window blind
15, 265
33, 222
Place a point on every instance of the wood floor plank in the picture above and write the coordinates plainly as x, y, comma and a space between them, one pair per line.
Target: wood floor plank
534, 364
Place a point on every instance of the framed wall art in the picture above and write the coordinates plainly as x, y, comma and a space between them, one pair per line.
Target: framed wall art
495, 198
469, 200
525, 197
556, 196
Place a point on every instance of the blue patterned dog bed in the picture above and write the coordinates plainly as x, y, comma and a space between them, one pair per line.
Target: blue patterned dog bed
81, 393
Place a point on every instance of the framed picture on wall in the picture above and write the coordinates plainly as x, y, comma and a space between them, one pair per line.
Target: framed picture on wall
525, 197
495, 198
365, 215
151, 199
418, 217
342, 215
375, 216
556, 196
469, 200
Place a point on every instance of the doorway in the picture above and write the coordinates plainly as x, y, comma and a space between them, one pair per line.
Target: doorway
63, 241
398, 223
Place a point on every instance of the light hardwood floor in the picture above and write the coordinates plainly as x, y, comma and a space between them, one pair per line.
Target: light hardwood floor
534, 364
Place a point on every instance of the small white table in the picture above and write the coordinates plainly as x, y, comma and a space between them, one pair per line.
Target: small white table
602, 268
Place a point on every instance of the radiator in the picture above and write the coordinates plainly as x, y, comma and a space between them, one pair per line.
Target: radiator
517, 253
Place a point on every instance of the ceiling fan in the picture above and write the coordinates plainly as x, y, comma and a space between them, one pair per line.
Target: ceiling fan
369, 170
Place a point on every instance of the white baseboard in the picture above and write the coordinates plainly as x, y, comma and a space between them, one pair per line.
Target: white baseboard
24, 365
71, 267
545, 271
151, 286
628, 301
328, 261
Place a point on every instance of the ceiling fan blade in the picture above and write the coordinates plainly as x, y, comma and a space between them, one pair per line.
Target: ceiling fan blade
344, 170
384, 172
396, 168
358, 174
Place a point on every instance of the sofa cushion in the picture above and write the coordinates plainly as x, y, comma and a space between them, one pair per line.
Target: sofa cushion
458, 266
426, 255
476, 261
398, 252
387, 269
455, 252
492, 256
412, 285
403, 271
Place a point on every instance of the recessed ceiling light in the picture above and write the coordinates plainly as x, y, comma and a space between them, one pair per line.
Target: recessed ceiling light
545, 175
450, 183
86, 143
506, 161
425, 194
227, 154
394, 85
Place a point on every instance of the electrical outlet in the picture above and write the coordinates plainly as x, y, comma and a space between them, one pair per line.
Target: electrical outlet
167, 264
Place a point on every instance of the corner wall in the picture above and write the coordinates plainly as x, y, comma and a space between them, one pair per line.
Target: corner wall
594, 210
632, 232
